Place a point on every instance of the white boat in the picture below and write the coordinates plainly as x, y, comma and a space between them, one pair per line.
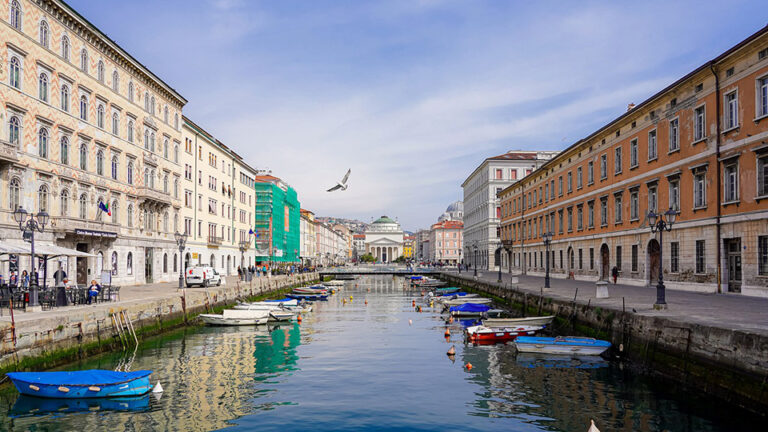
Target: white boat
281, 315
511, 322
461, 300
568, 345
234, 317
334, 283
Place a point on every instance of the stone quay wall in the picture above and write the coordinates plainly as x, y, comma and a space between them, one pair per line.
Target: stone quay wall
729, 364
44, 339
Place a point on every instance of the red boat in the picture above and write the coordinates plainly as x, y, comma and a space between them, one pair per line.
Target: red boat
487, 335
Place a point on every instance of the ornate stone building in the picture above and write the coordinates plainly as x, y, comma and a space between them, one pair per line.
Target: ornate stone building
384, 239
82, 122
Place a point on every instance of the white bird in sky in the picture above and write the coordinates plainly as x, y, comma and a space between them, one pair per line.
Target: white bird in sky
342, 184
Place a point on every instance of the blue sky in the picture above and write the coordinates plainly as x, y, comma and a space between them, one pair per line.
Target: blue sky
411, 94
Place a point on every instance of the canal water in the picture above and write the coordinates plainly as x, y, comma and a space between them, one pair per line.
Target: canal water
352, 366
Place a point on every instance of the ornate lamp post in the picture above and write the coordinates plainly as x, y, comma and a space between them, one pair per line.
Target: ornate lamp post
181, 242
28, 224
498, 251
474, 247
660, 223
547, 240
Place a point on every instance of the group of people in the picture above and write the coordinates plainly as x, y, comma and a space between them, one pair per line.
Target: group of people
15, 281
244, 272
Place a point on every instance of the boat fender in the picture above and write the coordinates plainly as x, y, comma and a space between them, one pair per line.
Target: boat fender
298, 319
34, 387
468, 366
63, 389
94, 388
413, 303
158, 388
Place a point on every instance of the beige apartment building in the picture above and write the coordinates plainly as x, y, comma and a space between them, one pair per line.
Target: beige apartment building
83, 123
217, 202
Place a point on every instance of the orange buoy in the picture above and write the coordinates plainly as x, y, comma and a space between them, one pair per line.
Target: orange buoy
298, 319
468, 366
366, 302
413, 302
450, 319
452, 351
447, 333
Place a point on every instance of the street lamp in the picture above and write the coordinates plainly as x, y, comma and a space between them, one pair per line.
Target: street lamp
474, 246
547, 236
660, 223
28, 224
181, 242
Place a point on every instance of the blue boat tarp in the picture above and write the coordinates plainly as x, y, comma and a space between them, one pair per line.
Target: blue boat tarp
453, 294
283, 300
94, 377
417, 277
470, 307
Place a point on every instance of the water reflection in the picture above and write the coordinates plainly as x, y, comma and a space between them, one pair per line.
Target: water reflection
32, 406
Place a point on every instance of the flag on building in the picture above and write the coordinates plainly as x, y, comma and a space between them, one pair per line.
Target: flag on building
105, 208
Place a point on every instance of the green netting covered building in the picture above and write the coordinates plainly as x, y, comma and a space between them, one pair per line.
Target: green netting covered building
277, 221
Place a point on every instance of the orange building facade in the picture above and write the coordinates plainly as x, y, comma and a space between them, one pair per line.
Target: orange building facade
699, 147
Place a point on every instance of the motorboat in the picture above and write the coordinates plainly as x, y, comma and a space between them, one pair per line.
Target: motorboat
486, 335
310, 297
277, 315
469, 309
510, 322
93, 383
568, 345
461, 300
283, 302
237, 317
316, 289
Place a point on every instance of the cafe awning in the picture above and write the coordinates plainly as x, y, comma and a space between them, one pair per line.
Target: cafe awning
20, 247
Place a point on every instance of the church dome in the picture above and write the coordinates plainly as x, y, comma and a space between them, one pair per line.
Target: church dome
384, 220
457, 206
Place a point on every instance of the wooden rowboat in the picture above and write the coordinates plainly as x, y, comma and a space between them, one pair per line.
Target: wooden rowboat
509, 322
92, 383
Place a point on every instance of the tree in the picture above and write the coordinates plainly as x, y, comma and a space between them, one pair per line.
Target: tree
367, 258
400, 259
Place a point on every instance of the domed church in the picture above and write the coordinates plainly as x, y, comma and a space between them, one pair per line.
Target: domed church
384, 239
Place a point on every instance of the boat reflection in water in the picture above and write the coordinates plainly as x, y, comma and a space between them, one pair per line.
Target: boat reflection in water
531, 360
34, 406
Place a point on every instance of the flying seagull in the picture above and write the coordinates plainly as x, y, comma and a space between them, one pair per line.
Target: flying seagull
342, 184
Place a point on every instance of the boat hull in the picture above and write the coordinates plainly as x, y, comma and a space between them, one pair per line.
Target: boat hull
31, 387
483, 335
508, 322
562, 346
462, 300
221, 320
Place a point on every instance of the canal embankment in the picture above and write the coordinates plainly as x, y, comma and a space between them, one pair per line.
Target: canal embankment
716, 344
44, 339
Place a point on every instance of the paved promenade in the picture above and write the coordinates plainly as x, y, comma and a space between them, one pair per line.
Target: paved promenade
729, 311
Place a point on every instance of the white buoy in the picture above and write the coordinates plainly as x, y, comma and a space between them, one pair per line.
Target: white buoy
592, 427
158, 388
410, 322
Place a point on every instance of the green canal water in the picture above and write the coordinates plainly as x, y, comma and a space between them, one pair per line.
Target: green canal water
381, 366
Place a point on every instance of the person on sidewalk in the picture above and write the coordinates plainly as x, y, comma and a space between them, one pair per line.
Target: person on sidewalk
93, 290
24, 280
239, 273
59, 275
615, 274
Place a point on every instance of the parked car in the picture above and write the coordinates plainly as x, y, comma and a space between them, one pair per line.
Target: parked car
203, 276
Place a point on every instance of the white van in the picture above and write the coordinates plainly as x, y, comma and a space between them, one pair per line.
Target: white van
203, 276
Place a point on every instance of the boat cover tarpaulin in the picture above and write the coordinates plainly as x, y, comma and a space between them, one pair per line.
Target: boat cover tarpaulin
470, 307
94, 377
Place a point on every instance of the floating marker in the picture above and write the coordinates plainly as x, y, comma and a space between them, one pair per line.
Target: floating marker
447, 333
410, 322
158, 388
366, 302
452, 351
468, 366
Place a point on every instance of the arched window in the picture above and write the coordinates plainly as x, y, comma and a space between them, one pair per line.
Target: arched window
114, 209
115, 81
116, 123
44, 33
42, 84
99, 212
165, 184
146, 220
14, 194
166, 220
83, 207
146, 139
64, 150
129, 264
176, 188
100, 116
15, 72
130, 91
15, 15
152, 142
152, 179
84, 108
176, 121
42, 143
114, 167
14, 129
84, 60
165, 148
129, 215
100, 71
152, 105
130, 131
165, 263
64, 203
176, 153
100, 162
175, 263
42, 199
146, 101
83, 156
212, 262
65, 97
176, 223
146, 177
114, 263
129, 173
65, 47
165, 114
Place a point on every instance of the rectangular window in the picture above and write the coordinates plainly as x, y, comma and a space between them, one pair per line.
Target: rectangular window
762, 255
617, 161
652, 207
603, 212
581, 259
513, 174
560, 186
499, 175
762, 97
698, 123
570, 219
731, 177
731, 110
634, 205
603, 167
634, 257
699, 190
674, 135
674, 256
700, 263
578, 178
560, 220
633, 156
618, 258
570, 182
617, 210
762, 175
591, 258
580, 218
546, 192
590, 172
674, 194
591, 214
652, 145
552, 188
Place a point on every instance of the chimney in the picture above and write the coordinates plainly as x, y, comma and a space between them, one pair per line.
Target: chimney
630, 107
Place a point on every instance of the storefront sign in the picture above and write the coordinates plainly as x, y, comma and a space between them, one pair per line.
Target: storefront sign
92, 233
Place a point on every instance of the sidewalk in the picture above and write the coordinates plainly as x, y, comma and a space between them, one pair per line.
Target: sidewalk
729, 311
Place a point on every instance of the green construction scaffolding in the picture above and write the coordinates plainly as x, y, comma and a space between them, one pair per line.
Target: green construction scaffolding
278, 239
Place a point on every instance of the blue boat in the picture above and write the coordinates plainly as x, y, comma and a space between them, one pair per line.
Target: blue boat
568, 345
453, 294
448, 290
34, 406
93, 383
469, 309
417, 277
310, 297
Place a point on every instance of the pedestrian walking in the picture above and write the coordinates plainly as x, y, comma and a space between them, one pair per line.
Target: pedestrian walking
615, 274
239, 273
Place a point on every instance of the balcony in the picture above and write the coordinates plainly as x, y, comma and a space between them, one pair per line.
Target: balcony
8, 152
244, 245
154, 196
63, 226
214, 240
